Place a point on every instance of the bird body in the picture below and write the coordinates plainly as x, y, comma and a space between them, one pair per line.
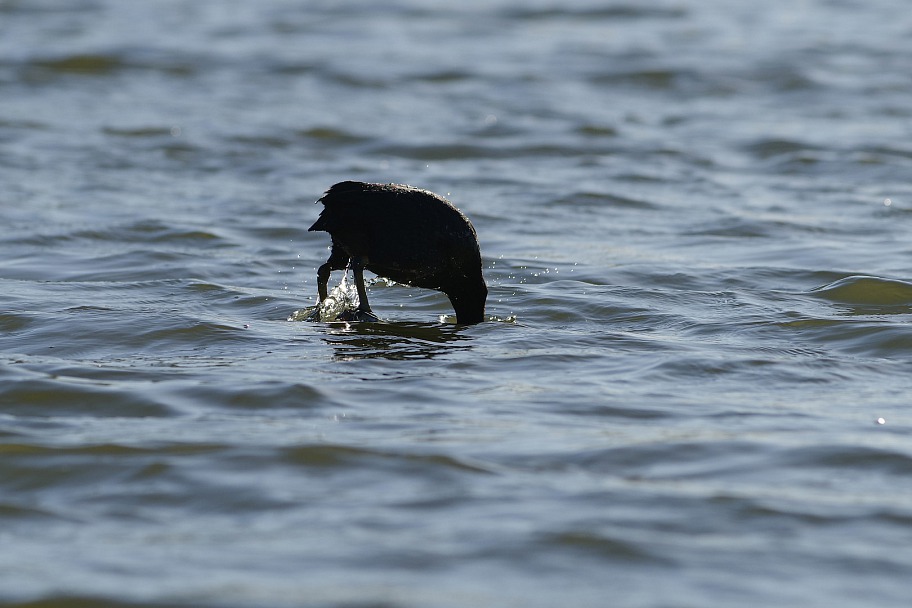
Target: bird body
406, 234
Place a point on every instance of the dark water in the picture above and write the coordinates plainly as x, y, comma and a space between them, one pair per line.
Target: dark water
693, 387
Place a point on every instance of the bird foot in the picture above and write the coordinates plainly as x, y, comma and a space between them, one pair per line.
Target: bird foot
363, 316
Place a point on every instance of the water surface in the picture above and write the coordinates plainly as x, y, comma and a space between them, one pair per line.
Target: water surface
692, 388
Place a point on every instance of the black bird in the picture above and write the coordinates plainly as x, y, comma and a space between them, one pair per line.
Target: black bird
406, 234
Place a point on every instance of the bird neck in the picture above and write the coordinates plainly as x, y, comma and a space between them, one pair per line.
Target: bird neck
469, 303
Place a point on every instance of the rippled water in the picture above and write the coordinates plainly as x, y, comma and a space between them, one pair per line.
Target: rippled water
693, 386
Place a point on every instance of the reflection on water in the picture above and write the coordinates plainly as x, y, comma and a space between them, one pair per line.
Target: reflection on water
866, 295
394, 341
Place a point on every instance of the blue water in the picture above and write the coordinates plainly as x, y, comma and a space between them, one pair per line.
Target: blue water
692, 386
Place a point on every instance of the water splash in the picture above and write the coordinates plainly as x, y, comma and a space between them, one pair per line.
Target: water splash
340, 305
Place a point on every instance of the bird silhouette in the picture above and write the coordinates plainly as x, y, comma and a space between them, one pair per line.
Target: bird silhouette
406, 234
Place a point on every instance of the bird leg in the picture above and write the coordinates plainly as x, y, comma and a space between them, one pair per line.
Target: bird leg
337, 261
357, 266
